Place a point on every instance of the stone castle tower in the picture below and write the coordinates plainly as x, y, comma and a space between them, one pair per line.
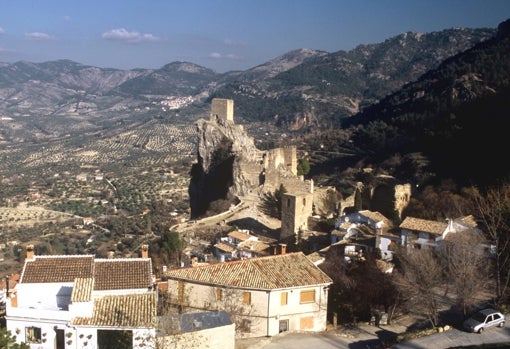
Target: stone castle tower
222, 108
296, 208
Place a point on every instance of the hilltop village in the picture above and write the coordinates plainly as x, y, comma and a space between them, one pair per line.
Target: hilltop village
254, 275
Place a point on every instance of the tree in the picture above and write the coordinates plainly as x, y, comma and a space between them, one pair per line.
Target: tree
8, 341
352, 293
466, 266
494, 212
172, 243
303, 167
272, 202
417, 278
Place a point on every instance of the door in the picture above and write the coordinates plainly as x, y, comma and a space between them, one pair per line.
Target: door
59, 339
284, 326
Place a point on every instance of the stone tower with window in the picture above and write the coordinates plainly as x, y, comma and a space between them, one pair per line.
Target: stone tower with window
296, 208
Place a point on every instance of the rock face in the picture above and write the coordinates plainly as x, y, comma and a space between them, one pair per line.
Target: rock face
230, 166
217, 178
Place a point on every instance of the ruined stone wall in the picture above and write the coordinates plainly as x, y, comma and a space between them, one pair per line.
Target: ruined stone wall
402, 197
290, 159
277, 157
385, 197
254, 172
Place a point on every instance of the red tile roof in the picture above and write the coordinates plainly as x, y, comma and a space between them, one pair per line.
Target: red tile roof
120, 273
108, 274
127, 311
424, 225
46, 269
272, 272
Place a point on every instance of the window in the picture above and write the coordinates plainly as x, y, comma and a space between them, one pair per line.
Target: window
180, 292
307, 296
247, 298
284, 298
219, 294
306, 323
245, 325
33, 334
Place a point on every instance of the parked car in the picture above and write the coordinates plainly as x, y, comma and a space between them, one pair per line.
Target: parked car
483, 319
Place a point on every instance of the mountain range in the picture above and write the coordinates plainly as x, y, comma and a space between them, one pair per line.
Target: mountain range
78, 106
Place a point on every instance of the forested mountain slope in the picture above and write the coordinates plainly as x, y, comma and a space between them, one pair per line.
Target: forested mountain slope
450, 123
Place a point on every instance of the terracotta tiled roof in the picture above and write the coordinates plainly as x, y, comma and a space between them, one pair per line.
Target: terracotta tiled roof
239, 235
256, 246
424, 225
469, 221
224, 247
377, 217
127, 311
272, 272
108, 274
122, 273
45, 269
82, 290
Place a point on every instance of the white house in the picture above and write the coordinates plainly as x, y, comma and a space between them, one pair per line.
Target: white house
264, 296
68, 302
239, 244
361, 226
423, 233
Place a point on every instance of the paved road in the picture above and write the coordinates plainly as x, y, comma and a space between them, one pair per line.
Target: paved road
457, 338
369, 337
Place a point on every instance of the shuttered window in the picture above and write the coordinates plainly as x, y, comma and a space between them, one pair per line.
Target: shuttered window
307, 296
247, 298
219, 294
180, 292
284, 298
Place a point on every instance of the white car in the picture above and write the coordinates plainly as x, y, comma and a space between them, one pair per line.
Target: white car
484, 319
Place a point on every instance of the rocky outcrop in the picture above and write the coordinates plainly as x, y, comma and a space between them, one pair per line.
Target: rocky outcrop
228, 166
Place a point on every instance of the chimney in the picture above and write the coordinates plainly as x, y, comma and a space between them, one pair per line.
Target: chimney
145, 251
14, 300
283, 248
30, 252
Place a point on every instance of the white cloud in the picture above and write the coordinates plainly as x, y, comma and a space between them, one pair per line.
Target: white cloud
38, 36
122, 34
230, 56
67, 18
2, 30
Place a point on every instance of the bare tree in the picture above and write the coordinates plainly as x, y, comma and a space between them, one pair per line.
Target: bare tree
417, 278
238, 307
494, 213
465, 261
359, 287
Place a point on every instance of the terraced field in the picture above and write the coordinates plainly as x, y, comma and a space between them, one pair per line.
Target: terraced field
154, 144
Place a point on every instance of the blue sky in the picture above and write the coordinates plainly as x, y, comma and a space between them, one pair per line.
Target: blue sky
222, 35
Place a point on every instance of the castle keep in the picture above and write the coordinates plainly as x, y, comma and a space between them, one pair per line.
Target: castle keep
222, 108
